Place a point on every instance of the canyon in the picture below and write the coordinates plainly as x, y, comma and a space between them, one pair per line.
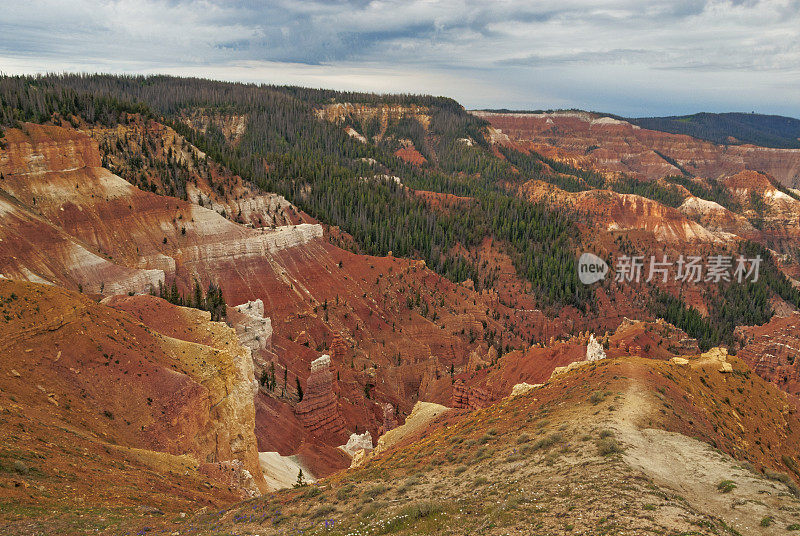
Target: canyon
74, 224
177, 338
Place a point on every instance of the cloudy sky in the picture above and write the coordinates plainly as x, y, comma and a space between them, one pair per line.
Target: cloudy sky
631, 57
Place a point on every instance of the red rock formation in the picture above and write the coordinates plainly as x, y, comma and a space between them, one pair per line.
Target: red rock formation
718, 219
355, 304
410, 155
389, 419
626, 212
773, 351
339, 347
438, 200
94, 368
209, 185
469, 397
32, 248
605, 144
319, 409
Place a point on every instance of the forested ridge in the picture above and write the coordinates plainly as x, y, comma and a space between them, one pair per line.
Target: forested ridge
730, 128
323, 171
572, 179
731, 303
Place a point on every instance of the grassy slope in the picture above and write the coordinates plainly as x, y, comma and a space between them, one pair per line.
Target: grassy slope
582, 454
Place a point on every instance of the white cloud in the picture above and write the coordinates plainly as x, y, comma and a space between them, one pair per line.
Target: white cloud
626, 56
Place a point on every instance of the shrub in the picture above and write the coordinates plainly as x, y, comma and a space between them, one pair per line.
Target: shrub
409, 514
323, 510
482, 453
597, 397
421, 509
407, 485
786, 479
608, 446
344, 492
312, 492
485, 439
20, 467
726, 486
549, 441
767, 521
374, 491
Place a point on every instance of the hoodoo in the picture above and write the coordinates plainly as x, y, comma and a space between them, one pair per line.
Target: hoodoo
319, 408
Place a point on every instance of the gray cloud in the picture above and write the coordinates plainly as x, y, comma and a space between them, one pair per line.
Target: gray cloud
626, 56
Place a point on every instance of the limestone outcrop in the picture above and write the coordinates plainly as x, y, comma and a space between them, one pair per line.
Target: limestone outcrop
719, 355
358, 442
523, 388
568, 368
594, 350
252, 327
421, 415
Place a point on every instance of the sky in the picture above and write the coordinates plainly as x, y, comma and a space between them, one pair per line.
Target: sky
629, 57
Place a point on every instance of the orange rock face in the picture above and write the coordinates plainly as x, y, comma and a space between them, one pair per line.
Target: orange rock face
773, 351
319, 409
605, 144
110, 378
469, 397
410, 155
776, 213
627, 212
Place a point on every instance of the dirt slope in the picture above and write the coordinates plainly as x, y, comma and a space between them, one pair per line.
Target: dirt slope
100, 412
595, 450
